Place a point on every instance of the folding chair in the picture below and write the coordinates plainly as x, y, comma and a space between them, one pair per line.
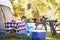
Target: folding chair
29, 28
20, 28
8, 26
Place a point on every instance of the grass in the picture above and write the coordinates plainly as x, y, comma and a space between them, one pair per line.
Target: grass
13, 36
50, 37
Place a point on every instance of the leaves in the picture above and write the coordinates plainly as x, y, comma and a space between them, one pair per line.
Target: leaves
41, 5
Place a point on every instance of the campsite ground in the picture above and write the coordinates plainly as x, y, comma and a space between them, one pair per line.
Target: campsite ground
12, 36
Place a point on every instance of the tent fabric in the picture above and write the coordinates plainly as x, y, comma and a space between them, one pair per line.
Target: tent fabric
6, 3
7, 10
1, 19
7, 13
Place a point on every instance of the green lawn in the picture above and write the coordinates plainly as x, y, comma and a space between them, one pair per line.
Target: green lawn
50, 37
12, 36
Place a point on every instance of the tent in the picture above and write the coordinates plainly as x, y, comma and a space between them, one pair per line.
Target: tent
6, 11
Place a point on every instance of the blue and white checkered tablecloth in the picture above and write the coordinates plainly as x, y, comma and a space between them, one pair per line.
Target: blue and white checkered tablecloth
16, 26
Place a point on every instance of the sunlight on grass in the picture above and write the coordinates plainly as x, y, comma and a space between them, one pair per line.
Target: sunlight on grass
49, 38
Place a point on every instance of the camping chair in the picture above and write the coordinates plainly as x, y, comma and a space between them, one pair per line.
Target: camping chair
8, 26
29, 28
57, 26
20, 28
